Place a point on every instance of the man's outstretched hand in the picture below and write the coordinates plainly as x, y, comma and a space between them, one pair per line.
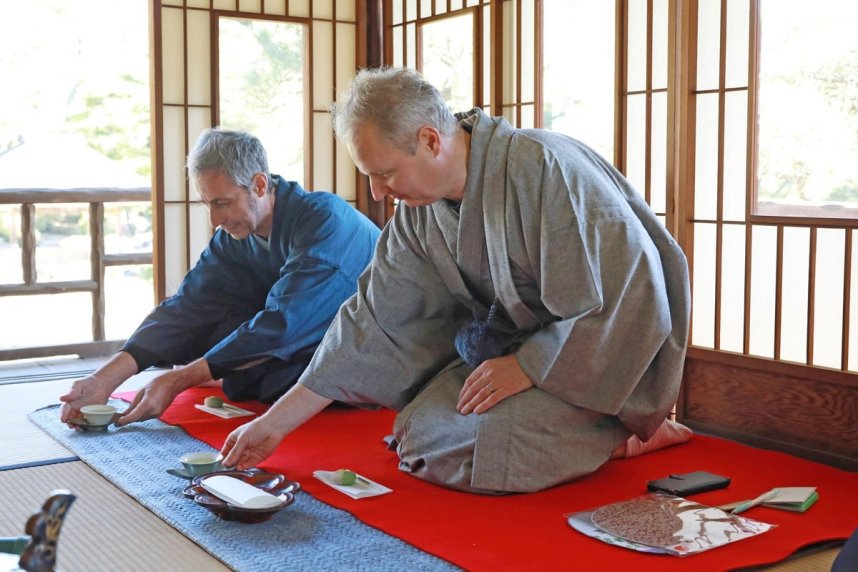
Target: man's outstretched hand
254, 442
250, 444
153, 399
85, 391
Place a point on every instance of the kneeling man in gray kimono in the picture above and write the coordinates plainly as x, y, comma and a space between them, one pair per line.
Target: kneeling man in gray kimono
526, 313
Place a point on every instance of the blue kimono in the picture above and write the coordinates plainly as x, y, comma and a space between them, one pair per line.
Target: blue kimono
256, 311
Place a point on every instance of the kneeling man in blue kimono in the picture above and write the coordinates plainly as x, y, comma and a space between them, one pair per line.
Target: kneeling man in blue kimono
257, 303
526, 312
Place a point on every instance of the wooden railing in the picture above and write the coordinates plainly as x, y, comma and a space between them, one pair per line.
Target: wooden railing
99, 260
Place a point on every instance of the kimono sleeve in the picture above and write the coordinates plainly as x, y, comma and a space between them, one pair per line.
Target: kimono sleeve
602, 282
215, 296
396, 332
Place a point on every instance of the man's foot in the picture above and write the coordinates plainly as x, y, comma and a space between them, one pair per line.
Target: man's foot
670, 433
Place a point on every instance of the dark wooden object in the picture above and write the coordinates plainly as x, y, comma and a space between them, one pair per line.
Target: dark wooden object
808, 412
44, 528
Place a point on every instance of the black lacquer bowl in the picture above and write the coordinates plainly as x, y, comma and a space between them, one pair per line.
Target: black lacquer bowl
275, 484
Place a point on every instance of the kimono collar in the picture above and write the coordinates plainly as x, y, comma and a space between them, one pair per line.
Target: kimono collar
490, 141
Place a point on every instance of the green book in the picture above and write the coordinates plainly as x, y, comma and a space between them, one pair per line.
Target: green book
796, 499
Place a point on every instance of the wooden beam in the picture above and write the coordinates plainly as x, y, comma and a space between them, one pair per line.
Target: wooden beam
102, 195
48, 288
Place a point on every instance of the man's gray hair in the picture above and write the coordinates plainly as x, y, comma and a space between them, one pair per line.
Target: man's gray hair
237, 153
397, 101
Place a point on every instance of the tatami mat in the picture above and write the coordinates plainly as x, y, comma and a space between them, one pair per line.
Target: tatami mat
32, 446
106, 530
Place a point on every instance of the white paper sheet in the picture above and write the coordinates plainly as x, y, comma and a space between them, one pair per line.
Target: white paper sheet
239, 493
362, 487
227, 411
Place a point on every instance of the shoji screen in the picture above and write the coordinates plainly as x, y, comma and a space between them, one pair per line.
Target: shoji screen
185, 79
772, 357
501, 46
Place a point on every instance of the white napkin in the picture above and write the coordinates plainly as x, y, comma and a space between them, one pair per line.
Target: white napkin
227, 411
362, 487
239, 493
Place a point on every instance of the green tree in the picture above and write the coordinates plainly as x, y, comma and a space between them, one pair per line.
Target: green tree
115, 119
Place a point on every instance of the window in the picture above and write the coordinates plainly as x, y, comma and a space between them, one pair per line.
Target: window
808, 109
578, 71
261, 87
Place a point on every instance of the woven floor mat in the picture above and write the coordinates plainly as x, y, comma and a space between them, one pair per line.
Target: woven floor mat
32, 446
106, 530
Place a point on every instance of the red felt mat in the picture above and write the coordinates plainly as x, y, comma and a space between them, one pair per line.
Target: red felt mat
519, 532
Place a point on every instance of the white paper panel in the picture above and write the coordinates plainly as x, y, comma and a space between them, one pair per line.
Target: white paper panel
224, 4
197, 3
346, 174
706, 158
637, 47
738, 16
794, 294
708, 43
199, 58
526, 117
199, 118
175, 235
323, 81
735, 154
323, 152
396, 12
398, 39
703, 292
487, 63
828, 308
346, 60
763, 267
636, 142
201, 231
173, 58
732, 288
323, 9
299, 8
659, 44
509, 55
853, 307
275, 7
253, 6
528, 44
658, 171
346, 10
411, 46
174, 154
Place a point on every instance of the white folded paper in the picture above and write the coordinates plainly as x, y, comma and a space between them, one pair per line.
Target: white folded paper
226, 411
362, 487
239, 493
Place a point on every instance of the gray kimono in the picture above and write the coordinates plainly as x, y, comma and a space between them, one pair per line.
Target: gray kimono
583, 271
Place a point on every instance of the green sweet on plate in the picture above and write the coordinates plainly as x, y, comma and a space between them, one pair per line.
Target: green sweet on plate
213, 401
344, 477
